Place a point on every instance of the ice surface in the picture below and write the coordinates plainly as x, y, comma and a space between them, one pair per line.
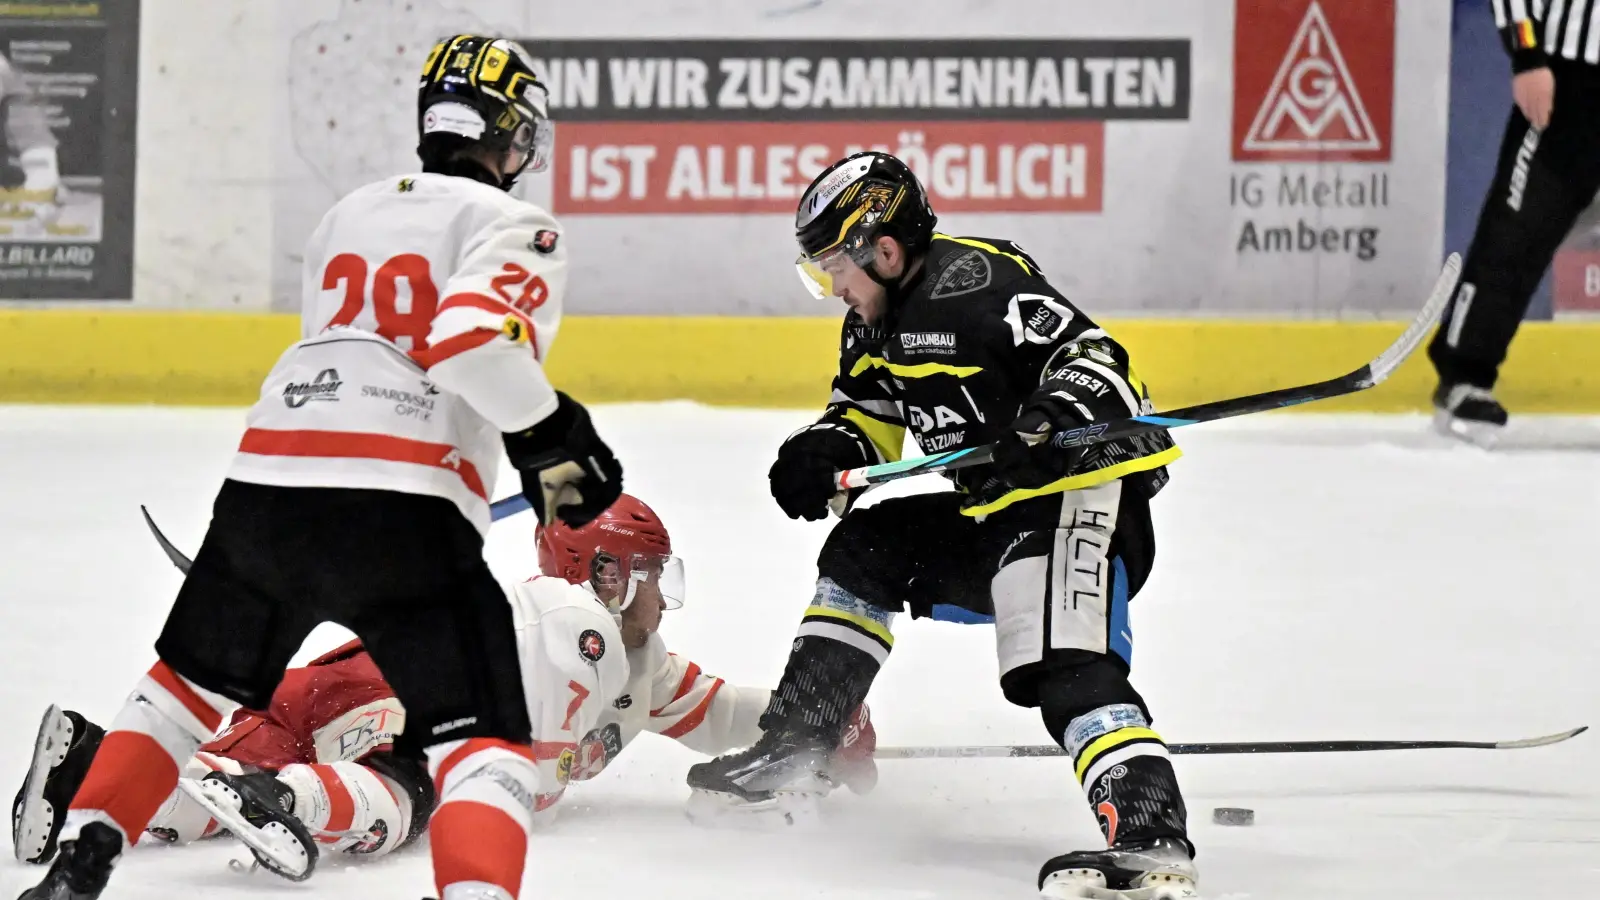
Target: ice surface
1317, 578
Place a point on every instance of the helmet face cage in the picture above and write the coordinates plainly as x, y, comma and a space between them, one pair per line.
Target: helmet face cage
622, 579
496, 78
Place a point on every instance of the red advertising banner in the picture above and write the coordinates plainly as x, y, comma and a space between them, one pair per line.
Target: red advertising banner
1575, 278
1313, 81
762, 167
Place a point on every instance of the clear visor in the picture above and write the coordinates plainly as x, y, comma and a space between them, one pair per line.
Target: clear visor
645, 578
536, 141
820, 273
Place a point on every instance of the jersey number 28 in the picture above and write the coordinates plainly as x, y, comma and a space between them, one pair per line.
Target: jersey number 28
515, 285
413, 325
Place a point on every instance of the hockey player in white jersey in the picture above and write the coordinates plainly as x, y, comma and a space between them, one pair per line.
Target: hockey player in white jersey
359, 493
595, 670
624, 561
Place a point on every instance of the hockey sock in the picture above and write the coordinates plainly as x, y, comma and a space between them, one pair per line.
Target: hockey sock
480, 829
350, 806
1127, 775
159, 728
842, 643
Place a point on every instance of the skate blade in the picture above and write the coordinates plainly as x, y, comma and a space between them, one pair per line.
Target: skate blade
1157, 887
1479, 434
34, 821
782, 812
278, 849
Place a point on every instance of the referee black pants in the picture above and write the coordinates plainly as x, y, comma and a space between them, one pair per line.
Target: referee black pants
1542, 182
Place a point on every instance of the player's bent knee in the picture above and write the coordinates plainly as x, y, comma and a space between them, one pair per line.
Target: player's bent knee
850, 549
488, 771
1070, 692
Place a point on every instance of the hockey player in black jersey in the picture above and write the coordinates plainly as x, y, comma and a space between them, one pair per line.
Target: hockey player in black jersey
963, 341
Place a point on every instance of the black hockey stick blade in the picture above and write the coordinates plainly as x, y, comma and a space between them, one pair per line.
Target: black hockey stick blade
1015, 751
173, 553
1369, 375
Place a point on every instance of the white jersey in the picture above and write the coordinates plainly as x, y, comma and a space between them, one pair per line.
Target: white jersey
588, 697
429, 304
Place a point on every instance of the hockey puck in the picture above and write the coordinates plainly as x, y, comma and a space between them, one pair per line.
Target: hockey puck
1233, 815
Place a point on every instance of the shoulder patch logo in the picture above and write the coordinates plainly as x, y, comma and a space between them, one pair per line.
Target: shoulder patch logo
966, 273
1036, 319
544, 241
513, 328
591, 645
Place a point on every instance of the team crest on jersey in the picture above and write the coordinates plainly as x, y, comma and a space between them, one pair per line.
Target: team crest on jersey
407, 185
544, 241
966, 273
591, 645
564, 766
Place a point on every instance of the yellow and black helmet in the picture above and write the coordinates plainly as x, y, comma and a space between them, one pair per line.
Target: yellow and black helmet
483, 90
850, 205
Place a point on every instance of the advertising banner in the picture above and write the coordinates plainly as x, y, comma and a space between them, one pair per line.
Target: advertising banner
68, 76
1245, 157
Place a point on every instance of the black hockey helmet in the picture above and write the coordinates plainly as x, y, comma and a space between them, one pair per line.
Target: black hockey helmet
478, 90
850, 205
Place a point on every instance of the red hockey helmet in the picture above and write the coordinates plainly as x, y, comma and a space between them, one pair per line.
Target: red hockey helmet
627, 544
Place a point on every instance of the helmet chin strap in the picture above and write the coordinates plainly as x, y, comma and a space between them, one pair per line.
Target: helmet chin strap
895, 289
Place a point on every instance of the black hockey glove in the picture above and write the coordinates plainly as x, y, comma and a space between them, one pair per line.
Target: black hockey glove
568, 472
1027, 457
802, 477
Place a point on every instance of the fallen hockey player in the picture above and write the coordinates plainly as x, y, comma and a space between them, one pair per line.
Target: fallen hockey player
330, 749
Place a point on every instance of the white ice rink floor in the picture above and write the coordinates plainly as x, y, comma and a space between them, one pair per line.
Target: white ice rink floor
1317, 578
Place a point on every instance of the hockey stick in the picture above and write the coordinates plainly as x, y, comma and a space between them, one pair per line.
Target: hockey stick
508, 506
173, 553
1029, 750
498, 510
1369, 375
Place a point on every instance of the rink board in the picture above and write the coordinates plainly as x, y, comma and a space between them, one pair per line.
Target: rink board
218, 359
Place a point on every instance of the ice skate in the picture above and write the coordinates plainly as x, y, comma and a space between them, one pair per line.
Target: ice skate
1161, 869
1468, 413
65, 746
257, 809
82, 867
777, 782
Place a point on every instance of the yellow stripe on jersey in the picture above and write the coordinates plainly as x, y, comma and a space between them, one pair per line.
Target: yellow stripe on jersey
889, 438
982, 245
876, 629
1079, 482
920, 370
1110, 742
1138, 386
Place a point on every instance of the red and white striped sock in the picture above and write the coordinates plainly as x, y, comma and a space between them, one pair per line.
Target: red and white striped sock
480, 828
160, 727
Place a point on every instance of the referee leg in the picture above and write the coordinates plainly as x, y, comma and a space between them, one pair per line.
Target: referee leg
1542, 183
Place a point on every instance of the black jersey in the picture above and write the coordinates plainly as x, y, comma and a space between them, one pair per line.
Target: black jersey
965, 348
